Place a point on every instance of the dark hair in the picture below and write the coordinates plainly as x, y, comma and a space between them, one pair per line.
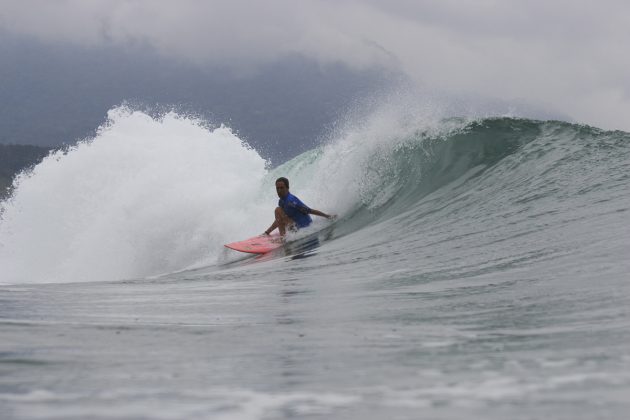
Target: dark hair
284, 180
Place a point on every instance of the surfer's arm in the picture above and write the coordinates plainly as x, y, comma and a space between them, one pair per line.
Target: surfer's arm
273, 226
321, 213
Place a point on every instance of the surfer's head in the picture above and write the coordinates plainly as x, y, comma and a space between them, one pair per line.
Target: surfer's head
282, 187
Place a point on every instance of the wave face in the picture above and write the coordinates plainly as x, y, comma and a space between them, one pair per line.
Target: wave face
147, 197
482, 175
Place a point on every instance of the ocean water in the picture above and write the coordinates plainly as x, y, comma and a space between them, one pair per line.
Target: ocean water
478, 269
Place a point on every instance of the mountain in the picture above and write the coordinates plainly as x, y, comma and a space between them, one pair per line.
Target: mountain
15, 158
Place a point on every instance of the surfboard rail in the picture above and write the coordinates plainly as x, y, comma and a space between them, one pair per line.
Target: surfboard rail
258, 244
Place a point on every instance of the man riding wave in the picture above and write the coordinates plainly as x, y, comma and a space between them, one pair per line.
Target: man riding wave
291, 213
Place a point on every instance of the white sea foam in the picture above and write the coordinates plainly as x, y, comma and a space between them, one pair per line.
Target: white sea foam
232, 404
145, 196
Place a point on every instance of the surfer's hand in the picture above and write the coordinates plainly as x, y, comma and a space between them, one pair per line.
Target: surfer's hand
332, 217
265, 233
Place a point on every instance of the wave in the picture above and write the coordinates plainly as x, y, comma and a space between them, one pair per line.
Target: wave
145, 196
148, 196
511, 157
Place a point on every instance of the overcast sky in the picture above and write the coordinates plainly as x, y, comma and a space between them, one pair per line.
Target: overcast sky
571, 56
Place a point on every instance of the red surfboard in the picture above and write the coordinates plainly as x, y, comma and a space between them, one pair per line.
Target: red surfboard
258, 244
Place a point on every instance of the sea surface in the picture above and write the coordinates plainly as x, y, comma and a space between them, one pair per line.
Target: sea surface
478, 269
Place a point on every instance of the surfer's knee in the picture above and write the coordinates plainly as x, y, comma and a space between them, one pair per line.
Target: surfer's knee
280, 215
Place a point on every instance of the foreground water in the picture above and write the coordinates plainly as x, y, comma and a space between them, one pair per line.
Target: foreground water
478, 272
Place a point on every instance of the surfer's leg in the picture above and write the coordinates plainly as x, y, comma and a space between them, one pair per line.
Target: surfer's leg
284, 222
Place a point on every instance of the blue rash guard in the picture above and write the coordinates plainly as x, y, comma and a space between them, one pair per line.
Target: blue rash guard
296, 210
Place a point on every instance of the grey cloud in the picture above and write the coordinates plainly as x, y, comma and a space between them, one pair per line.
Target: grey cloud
570, 55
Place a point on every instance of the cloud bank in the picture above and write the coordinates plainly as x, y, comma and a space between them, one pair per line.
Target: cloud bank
567, 55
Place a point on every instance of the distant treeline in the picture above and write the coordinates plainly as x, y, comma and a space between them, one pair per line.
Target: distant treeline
15, 158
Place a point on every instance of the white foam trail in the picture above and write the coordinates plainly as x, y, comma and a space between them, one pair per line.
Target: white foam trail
143, 197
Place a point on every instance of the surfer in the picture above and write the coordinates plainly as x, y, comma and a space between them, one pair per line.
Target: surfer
291, 213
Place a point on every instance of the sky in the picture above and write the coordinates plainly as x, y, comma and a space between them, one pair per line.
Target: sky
568, 56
